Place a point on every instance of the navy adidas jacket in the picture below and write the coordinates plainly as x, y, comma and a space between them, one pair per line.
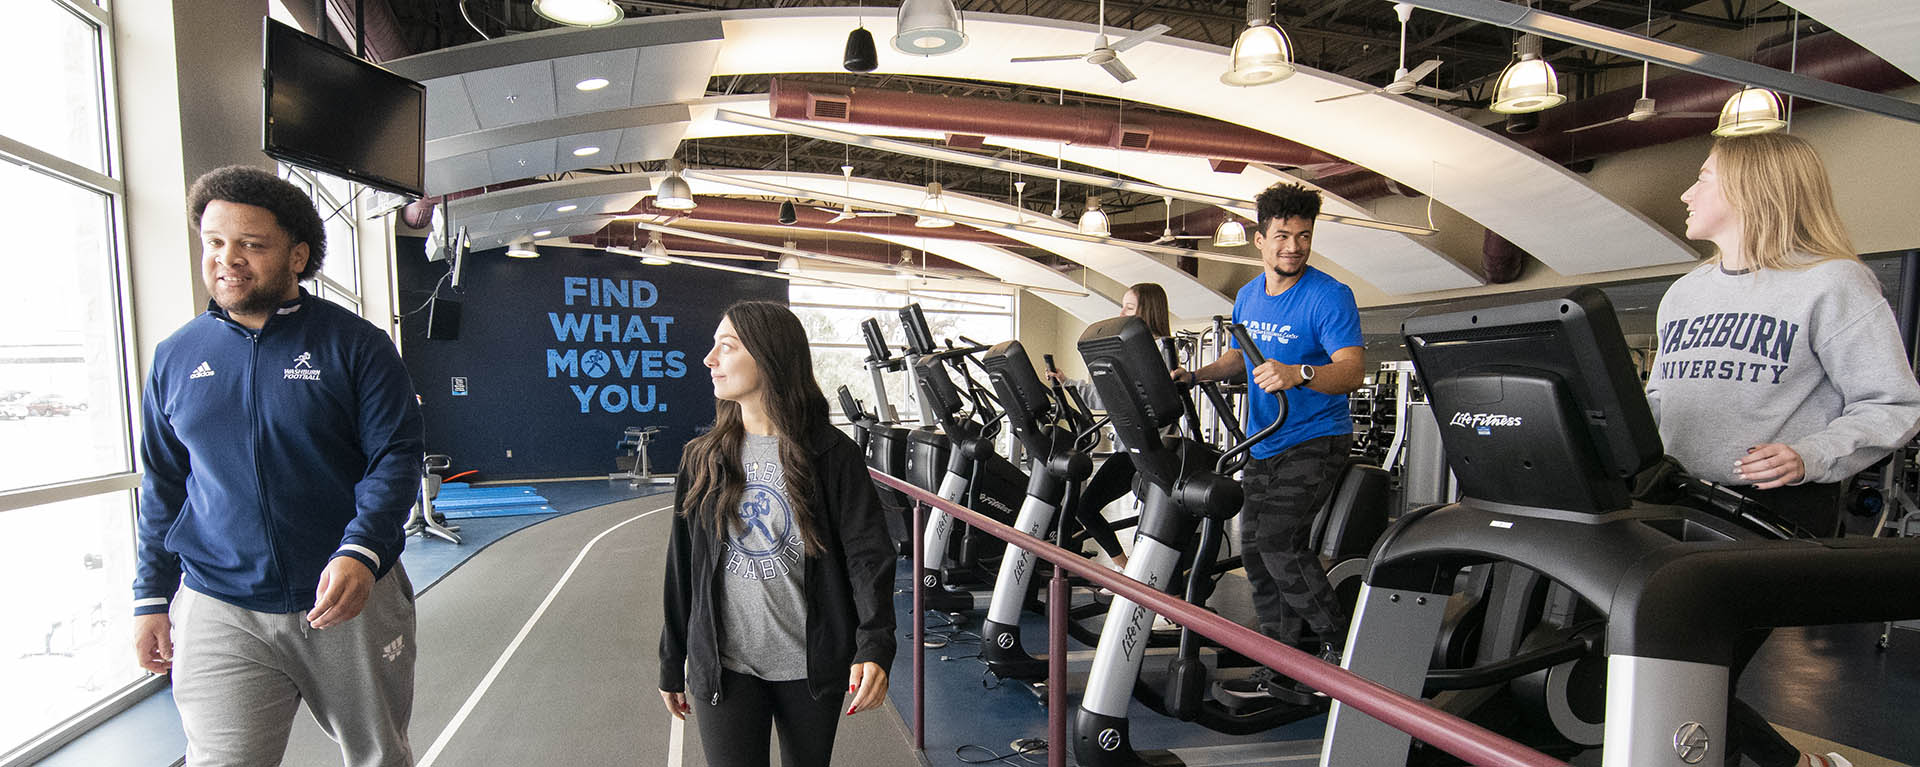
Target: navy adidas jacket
269, 453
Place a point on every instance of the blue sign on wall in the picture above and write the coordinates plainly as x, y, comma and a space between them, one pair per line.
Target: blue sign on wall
560, 354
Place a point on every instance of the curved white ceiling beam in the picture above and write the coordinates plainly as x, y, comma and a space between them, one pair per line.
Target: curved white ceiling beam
1395, 263
498, 218
1538, 205
1543, 208
1186, 296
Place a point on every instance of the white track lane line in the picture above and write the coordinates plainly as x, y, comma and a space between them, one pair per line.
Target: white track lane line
473, 700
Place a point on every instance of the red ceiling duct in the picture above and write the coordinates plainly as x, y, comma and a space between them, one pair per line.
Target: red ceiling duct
624, 234
1827, 56
739, 211
1078, 125
1502, 260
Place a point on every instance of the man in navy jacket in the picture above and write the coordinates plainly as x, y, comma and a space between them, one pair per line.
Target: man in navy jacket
281, 441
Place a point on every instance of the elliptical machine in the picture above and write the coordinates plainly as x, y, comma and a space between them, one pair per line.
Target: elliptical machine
1188, 485
976, 476
1058, 436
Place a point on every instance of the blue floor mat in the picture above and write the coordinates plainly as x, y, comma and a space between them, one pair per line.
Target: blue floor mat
967, 708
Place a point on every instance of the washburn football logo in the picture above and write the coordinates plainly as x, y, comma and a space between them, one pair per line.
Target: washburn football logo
302, 369
1478, 420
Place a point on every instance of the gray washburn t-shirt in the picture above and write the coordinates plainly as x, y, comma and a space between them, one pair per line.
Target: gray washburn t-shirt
763, 614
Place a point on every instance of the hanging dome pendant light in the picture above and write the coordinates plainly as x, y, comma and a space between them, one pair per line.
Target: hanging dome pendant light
1230, 234
1749, 111
933, 204
674, 194
1262, 53
579, 13
1528, 85
928, 28
1093, 222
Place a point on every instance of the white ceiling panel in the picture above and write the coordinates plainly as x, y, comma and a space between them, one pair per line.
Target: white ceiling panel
453, 174
449, 111
527, 160
616, 67
607, 141
511, 95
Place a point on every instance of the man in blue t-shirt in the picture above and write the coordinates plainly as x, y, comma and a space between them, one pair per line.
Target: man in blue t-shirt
1307, 325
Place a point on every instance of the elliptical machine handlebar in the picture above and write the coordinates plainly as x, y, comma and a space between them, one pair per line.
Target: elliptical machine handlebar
1232, 458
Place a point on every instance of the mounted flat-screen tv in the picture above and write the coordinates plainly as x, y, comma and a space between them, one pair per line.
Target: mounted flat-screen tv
332, 112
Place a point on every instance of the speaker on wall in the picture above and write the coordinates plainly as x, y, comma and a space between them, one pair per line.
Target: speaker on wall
443, 320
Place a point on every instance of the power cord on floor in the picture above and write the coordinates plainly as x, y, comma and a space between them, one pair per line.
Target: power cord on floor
1024, 750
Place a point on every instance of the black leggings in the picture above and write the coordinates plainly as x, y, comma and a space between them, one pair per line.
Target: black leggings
736, 731
1111, 481
1817, 508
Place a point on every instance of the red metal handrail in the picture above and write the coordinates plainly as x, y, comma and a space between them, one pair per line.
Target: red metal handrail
1459, 737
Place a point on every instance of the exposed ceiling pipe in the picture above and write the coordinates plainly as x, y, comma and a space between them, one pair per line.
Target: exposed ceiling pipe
1827, 56
738, 211
1078, 125
384, 41
882, 254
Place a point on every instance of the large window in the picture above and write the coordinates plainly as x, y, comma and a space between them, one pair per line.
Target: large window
66, 455
833, 316
339, 277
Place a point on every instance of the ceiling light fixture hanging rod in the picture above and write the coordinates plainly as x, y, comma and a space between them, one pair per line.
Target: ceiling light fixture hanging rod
977, 222
1564, 29
1243, 207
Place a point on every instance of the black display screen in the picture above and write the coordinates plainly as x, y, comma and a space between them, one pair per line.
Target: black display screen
331, 112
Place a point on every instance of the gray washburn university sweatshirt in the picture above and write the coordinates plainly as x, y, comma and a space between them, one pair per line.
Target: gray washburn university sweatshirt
1809, 358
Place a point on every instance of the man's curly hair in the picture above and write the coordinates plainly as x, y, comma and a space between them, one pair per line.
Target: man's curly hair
1284, 201
247, 185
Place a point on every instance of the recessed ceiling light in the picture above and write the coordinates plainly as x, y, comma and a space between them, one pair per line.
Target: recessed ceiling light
567, 208
586, 151
543, 233
591, 84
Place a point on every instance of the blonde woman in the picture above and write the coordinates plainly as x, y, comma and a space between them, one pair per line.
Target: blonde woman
1780, 370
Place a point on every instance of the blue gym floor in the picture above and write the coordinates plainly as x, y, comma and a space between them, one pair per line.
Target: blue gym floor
1831, 683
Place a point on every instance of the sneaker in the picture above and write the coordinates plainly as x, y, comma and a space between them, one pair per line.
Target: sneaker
1263, 683
1253, 685
1831, 760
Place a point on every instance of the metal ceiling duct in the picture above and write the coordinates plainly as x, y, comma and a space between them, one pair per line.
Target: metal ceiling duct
1078, 125
734, 210
1827, 56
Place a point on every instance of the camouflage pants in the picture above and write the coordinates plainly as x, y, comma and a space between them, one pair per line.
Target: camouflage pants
1283, 493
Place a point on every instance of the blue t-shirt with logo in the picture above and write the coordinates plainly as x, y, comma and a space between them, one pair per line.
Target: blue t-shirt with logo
1302, 326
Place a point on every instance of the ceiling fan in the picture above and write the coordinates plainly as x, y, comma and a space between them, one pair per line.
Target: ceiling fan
1405, 81
1643, 109
846, 211
1104, 54
1166, 234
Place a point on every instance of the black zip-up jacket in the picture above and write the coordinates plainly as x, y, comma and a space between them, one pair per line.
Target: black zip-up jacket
849, 583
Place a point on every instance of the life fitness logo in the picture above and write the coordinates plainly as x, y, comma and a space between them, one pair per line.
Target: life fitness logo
930, 580
1005, 641
1109, 739
1483, 423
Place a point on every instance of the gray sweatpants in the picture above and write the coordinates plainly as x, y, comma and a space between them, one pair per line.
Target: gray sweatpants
239, 675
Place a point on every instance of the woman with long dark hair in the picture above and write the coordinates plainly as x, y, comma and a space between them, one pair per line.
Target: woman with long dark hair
779, 577
1114, 478
1780, 370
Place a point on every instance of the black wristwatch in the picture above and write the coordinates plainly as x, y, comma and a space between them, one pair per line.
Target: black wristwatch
1306, 374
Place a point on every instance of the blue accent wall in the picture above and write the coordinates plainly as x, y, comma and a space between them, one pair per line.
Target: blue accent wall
562, 353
